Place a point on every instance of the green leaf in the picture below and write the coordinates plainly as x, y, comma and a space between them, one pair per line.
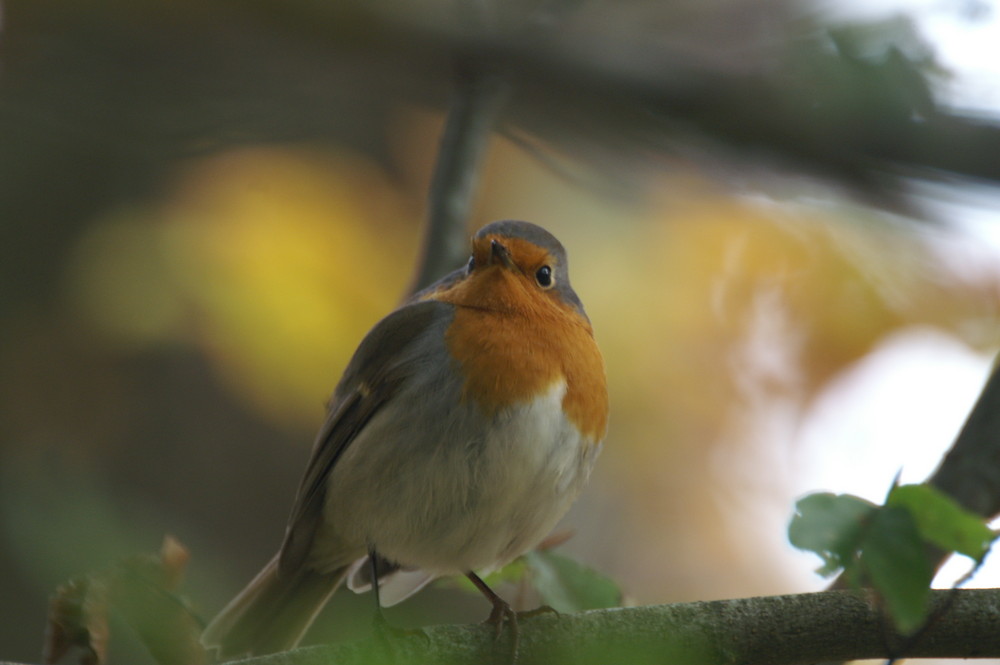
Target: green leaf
943, 522
894, 558
513, 572
886, 547
569, 586
831, 526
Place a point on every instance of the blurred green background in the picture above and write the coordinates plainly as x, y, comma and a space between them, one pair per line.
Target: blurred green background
203, 207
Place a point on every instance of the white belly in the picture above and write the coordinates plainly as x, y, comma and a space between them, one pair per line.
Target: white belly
449, 495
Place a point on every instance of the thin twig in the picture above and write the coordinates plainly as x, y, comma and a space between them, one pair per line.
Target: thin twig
605, 184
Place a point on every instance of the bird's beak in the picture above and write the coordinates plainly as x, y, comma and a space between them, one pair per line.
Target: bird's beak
499, 253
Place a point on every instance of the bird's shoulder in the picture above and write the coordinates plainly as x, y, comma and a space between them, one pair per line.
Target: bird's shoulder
393, 346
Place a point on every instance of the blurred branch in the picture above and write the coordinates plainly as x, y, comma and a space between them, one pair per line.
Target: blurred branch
775, 630
614, 84
475, 105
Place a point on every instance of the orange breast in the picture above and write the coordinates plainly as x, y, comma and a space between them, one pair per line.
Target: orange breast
512, 344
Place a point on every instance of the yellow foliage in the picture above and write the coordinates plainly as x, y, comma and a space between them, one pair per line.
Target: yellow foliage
274, 262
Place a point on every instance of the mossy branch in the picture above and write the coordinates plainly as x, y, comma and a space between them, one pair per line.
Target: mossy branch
774, 630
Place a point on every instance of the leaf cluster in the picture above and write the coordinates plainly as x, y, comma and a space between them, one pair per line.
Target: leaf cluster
888, 547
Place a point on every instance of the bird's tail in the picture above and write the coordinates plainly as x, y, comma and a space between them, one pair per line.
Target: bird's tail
272, 613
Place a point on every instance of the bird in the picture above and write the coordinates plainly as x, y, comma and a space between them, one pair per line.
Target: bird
464, 426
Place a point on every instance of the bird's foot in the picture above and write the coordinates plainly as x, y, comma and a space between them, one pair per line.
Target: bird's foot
501, 613
388, 636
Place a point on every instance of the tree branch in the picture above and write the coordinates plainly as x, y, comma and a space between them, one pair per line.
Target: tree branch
970, 472
776, 630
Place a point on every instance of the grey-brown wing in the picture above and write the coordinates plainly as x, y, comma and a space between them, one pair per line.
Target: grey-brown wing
382, 363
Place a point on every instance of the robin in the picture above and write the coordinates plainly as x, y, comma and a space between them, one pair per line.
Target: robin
461, 431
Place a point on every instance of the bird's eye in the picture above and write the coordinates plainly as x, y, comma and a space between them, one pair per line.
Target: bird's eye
544, 277
471, 265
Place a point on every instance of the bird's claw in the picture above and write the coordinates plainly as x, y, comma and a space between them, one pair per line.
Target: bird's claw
538, 611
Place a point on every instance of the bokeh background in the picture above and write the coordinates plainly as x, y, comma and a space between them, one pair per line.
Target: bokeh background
203, 208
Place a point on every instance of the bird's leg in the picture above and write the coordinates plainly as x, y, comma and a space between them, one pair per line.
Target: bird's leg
383, 629
501, 611
380, 625
380, 621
